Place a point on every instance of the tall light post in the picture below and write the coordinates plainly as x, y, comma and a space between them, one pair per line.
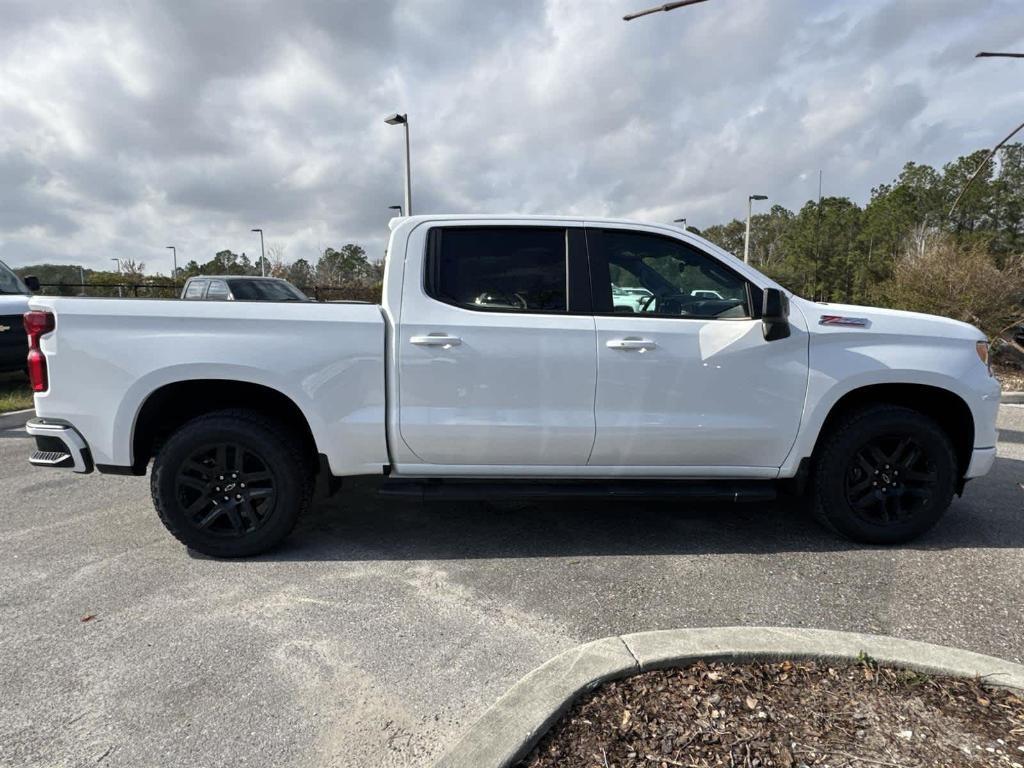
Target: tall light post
681, 221
397, 119
263, 254
117, 261
746, 240
174, 274
395, 208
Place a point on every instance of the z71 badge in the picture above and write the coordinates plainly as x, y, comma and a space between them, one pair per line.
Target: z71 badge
851, 322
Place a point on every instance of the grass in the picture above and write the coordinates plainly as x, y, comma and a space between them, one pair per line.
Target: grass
15, 394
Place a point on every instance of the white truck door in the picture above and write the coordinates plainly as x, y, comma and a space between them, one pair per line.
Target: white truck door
496, 347
686, 378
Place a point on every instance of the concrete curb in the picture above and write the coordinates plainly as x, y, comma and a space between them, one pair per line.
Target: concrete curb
15, 419
508, 730
1011, 398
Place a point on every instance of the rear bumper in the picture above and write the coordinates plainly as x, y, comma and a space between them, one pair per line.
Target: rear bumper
58, 446
982, 460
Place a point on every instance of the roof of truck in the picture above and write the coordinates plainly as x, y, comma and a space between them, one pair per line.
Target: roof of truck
395, 221
408, 223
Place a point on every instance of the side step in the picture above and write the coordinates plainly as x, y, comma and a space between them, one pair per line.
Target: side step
52, 459
689, 490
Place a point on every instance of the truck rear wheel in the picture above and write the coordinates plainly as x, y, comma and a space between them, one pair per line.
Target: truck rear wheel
230, 483
884, 475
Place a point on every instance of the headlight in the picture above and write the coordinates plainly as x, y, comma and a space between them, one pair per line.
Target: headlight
982, 348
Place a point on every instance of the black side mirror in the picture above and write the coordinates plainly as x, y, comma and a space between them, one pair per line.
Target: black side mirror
32, 283
775, 314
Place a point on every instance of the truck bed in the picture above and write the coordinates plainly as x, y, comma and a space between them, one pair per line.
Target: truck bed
108, 356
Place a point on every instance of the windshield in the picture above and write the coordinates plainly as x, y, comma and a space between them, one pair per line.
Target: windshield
265, 290
10, 282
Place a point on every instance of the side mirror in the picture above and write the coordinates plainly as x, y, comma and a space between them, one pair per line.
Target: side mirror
775, 314
32, 283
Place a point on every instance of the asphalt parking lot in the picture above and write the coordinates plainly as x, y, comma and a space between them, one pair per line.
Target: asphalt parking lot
384, 628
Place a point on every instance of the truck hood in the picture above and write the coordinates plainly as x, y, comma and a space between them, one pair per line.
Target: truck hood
849, 318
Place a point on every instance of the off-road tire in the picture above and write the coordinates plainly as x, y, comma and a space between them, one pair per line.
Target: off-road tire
279, 450
838, 469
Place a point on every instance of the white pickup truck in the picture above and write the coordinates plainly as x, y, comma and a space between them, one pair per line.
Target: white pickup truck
501, 362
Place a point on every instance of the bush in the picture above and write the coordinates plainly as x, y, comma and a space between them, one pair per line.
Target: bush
959, 281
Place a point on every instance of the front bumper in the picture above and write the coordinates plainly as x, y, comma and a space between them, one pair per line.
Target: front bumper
982, 460
58, 445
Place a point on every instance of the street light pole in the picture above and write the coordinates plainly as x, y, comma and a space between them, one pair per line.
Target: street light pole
117, 261
174, 274
746, 240
682, 220
263, 254
395, 208
403, 120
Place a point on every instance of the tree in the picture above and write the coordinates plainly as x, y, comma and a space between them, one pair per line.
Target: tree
276, 266
300, 273
728, 237
959, 280
348, 265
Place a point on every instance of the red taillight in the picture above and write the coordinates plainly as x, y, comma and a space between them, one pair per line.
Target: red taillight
36, 324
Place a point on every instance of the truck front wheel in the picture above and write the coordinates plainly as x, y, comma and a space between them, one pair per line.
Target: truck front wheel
884, 475
230, 483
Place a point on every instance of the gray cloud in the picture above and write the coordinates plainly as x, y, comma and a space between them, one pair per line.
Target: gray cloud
128, 126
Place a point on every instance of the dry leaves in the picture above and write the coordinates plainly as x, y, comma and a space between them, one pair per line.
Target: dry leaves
789, 715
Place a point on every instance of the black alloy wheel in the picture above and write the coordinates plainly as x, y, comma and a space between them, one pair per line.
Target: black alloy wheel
890, 479
232, 483
226, 489
883, 474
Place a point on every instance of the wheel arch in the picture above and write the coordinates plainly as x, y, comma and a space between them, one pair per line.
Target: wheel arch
948, 409
171, 405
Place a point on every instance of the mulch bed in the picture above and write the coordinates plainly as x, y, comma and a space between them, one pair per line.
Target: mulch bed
1010, 379
787, 714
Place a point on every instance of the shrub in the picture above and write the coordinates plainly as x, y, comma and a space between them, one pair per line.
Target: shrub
961, 281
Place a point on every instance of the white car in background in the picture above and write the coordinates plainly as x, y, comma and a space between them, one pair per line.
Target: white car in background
629, 299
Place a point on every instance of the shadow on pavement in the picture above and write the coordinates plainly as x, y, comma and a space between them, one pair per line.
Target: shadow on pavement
359, 525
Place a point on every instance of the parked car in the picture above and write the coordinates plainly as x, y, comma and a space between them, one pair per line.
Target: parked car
704, 293
629, 299
496, 364
234, 288
14, 295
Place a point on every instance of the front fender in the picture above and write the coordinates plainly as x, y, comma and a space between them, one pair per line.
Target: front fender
839, 368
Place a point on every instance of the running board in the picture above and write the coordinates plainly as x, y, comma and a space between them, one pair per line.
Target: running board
689, 490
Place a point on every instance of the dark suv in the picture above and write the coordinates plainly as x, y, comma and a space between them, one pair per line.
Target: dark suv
235, 288
14, 295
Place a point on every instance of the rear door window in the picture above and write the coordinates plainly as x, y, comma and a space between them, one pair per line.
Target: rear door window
503, 269
195, 289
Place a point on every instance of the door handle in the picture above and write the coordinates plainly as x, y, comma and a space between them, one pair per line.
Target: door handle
631, 342
436, 340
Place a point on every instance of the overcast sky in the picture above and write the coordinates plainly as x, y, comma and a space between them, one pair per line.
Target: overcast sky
128, 126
